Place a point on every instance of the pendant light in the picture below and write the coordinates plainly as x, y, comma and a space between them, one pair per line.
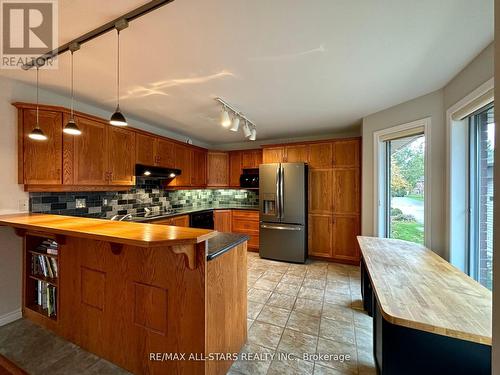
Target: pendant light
117, 118
71, 127
37, 133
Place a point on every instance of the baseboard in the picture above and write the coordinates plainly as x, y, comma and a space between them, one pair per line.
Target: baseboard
10, 317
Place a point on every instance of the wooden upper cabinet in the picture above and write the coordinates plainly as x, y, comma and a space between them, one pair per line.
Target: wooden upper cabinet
297, 153
320, 191
273, 155
320, 235
90, 160
346, 153
41, 161
321, 155
121, 158
165, 154
199, 170
218, 169
183, 161
145, 146
345, 229
251, 159
222, 220
346, 192
235, 168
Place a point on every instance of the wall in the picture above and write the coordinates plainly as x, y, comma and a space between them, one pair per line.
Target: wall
430, 105
433, 105
12, 194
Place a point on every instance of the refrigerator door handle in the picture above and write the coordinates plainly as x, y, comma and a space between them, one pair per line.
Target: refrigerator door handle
281, 227
278, 201
282, 192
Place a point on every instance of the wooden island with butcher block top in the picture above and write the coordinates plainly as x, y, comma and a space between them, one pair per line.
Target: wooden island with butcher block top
139, 295
428, 316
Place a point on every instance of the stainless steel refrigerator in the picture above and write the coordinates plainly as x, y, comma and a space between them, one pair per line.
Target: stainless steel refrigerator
283, 211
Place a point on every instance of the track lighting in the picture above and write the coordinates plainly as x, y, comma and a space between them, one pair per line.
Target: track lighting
236, 124
117, 118
246, 130
225, 121
71, 127
37, 133
253, 134
249, 129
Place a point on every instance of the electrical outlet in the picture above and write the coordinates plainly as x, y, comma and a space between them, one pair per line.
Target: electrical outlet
24, 204
80, 203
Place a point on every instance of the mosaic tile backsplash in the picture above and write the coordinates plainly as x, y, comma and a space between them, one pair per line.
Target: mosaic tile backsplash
147, 194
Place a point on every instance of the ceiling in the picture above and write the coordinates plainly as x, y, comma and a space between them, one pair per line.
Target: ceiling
295, 68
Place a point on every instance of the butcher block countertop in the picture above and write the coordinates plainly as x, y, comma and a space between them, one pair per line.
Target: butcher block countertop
418, 289
126, 233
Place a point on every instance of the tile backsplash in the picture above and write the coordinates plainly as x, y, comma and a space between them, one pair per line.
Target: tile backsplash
146, 194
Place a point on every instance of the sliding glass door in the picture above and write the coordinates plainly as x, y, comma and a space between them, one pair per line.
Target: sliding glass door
480, 207
404, 185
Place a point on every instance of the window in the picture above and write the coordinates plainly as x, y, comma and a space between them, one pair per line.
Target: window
480, 195
405, 182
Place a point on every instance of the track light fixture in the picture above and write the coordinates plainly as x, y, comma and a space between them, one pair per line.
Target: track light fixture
117, 118
71, 127
37, 133
249, 129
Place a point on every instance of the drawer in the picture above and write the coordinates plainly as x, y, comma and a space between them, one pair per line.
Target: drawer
162, 222
246, 215
245, 225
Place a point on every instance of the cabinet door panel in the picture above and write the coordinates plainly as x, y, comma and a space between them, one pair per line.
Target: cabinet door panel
344, 243
321, 155
320, 191
235, 168
251, 159
121, 156
145, 146
166, 154
199, 172
222, 220
346, 153
218, 169
42, 159
320, 235
297, 154
181, 221
183, 161
273, 155
91, 153
346, 191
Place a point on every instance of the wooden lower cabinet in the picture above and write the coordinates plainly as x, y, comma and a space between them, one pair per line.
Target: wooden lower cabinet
333, 237
222, 220
178, 221
247, 222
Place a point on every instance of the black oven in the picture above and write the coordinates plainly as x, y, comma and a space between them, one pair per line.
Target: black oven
203, 219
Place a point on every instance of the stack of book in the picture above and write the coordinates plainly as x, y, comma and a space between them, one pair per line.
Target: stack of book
46, 297
48, 246
44, 265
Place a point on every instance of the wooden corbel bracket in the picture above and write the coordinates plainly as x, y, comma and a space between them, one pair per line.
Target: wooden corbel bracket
189, 252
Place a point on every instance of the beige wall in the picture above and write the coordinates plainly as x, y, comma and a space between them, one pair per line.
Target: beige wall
432, 105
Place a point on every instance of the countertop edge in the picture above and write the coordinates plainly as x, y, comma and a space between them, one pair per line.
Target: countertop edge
225, 249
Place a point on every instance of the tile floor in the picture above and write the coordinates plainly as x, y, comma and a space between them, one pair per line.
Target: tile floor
311, 308
293, 309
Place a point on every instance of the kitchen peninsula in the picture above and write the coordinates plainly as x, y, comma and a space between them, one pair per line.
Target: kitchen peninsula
125, 291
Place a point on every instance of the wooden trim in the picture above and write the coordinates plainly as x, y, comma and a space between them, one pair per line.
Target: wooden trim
310, 142
58, 188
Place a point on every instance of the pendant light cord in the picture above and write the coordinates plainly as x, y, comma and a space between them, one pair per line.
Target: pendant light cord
37, 123
118, 75
72, 92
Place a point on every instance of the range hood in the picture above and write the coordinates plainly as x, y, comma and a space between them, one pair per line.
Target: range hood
156, 172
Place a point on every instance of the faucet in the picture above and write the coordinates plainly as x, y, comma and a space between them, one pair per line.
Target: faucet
127, 216
118, 218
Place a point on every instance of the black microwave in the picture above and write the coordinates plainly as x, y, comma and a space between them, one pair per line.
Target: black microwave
249, 181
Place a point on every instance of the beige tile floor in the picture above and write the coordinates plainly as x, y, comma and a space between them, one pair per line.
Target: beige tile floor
311, 308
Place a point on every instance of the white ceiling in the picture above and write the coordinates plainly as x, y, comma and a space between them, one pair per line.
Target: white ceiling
294, 67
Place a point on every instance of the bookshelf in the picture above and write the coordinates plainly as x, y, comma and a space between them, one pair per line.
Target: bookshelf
41, 276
